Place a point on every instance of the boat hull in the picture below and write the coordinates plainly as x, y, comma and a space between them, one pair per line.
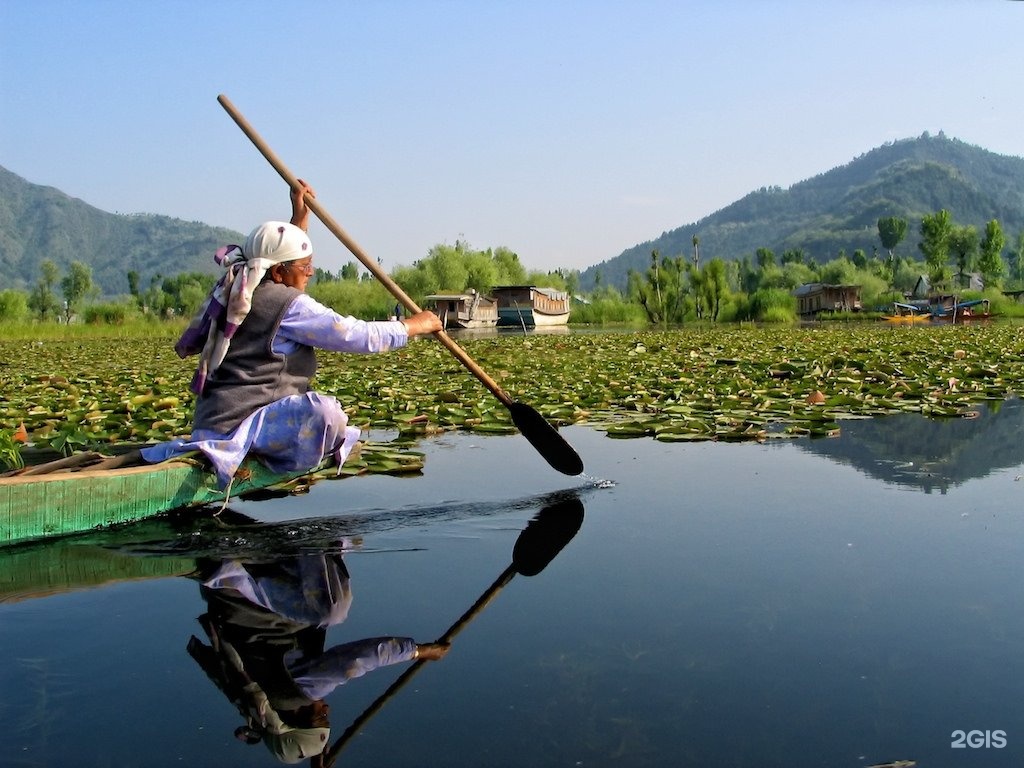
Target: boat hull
954, 319
531, 318
61, 503
907, 319
467, 324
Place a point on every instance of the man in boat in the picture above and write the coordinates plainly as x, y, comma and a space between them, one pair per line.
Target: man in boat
255, 336
267, 626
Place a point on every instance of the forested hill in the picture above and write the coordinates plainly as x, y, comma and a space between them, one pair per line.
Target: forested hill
839, 210
835, 211
38, 223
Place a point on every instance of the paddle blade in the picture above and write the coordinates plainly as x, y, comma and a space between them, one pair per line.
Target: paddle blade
546, 535
545, 438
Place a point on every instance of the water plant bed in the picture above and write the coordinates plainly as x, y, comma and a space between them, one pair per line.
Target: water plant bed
690, 384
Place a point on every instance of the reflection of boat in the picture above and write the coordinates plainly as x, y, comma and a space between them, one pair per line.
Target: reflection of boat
470, 311
530, 306
962, 311
55, 499
907, 314
61, 566
170, 545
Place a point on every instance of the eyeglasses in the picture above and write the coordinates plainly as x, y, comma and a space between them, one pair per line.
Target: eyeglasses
306, 268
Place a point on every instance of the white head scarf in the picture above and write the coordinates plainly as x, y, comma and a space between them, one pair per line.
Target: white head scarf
272, 242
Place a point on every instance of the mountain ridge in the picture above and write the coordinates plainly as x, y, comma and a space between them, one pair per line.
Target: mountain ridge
832, 211
839, 209
40, 222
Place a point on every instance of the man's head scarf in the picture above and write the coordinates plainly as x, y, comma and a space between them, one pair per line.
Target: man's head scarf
210, 332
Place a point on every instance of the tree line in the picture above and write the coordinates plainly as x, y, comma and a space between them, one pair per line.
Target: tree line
672, 290
760, 286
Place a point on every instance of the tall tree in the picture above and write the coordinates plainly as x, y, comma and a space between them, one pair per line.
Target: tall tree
677, 309
963, 242
936, 229
133, 284
891, 231
1017, 259
638, 290
749, 278
42, 301
698, 290
990, 259
716, 287
765, 257
654, 276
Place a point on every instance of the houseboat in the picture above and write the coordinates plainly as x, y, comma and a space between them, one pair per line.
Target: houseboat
470, 310
531, 307
813, 298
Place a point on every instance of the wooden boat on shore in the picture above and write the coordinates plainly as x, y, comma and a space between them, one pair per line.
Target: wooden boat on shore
469, 311
531, 307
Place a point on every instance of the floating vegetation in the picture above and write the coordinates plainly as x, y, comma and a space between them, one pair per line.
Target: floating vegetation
731, 383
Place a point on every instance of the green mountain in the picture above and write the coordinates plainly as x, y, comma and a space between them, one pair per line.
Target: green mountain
834, 211
38, 223
839, 210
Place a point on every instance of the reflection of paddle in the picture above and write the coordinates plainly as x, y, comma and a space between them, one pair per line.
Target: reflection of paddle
540, 542
544, 437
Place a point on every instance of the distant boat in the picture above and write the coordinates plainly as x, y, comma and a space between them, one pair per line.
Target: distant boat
907, 314
464, 310
531, 307
961, 312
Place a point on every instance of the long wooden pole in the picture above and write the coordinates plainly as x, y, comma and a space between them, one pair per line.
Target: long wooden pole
544, 437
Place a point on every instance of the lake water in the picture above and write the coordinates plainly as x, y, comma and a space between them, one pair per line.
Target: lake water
841, 602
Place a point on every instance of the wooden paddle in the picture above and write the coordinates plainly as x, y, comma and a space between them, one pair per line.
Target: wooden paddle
544, 537
542, 436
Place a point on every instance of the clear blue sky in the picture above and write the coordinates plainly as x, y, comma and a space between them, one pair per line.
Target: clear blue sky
566, 131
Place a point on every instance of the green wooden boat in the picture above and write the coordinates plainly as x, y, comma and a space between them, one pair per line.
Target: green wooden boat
69, 499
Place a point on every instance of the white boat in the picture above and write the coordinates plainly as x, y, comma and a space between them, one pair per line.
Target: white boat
531, 307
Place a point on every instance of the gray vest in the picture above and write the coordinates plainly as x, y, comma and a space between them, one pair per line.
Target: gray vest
252, 374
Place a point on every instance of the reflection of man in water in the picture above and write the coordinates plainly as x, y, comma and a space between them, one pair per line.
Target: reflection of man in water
267, 625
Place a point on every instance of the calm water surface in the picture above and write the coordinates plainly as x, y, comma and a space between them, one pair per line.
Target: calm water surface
842, 602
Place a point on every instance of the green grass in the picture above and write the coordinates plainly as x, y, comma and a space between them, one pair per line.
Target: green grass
138, 328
